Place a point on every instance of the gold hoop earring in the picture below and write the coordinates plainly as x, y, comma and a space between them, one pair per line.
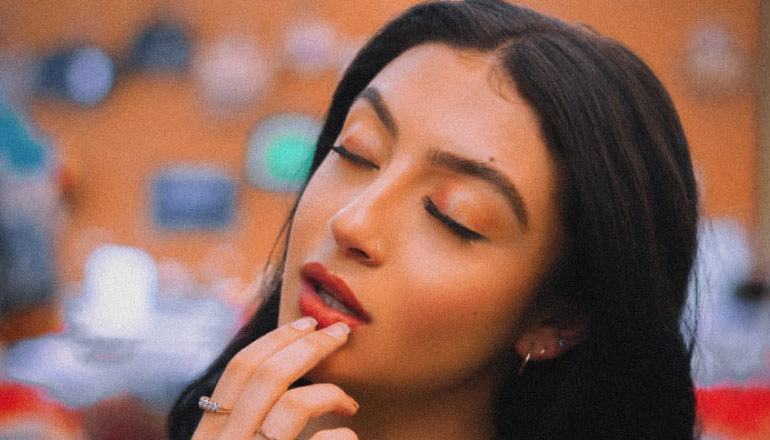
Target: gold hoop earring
524, 363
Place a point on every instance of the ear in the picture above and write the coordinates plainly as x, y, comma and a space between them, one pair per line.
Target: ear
550, 337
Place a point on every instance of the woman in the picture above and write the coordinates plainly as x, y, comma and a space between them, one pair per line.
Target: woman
494, 242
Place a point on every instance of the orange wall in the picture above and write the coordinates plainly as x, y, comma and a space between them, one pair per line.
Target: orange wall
148, 121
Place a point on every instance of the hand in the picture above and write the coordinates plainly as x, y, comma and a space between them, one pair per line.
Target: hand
255, 387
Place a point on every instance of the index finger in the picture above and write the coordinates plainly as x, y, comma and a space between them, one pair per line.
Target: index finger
242, 366
277, 373
245, 362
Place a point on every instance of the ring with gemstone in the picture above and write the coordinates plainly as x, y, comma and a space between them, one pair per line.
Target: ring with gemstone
205, 403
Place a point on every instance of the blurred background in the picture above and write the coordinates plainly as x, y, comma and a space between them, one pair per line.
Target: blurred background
149, 154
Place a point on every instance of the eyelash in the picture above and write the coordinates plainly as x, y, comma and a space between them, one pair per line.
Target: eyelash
456, 227
463, 232
346, 154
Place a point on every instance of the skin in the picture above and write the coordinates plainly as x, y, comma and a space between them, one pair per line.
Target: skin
450, 317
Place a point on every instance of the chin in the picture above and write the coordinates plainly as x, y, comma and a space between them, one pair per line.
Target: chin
332, 370
345, 368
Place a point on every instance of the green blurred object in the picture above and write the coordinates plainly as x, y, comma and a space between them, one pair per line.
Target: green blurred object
280, 152
289, 157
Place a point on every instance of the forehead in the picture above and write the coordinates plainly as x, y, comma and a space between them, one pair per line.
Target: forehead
457, 65
462, 98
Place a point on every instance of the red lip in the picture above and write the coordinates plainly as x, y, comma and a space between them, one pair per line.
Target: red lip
316, 275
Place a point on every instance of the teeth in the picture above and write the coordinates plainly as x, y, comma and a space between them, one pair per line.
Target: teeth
334, 303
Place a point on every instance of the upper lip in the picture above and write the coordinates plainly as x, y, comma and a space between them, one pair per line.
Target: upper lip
318, 275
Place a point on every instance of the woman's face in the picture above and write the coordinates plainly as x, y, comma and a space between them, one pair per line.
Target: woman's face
439, 217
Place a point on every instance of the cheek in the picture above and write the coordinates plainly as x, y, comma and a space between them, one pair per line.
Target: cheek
456, 300
308, 227
318, 204
473, 313
460, 289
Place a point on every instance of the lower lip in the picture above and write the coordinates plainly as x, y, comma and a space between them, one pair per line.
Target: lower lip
310, 304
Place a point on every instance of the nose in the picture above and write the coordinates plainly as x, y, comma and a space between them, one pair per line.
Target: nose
355, 229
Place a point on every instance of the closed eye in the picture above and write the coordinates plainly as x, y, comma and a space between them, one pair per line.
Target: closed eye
346, 154
456, 227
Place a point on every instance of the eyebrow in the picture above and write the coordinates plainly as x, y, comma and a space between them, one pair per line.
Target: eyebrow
452, 161
482, 171
373, 96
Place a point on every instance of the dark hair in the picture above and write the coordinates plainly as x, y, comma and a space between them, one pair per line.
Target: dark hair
630, 211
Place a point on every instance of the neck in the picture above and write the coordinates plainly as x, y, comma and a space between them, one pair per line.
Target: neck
461, 412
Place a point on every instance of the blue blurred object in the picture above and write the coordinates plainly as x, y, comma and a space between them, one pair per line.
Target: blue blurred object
82, 74
26, 197
733, 331
193, 197
26, 265
19, 151
163, 47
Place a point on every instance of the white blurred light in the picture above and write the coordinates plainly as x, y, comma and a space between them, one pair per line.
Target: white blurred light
310, 46
123, 337
120, 284
233, 73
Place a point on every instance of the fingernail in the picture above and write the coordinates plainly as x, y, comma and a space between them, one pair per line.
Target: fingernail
337, 330
355, 405
305, 323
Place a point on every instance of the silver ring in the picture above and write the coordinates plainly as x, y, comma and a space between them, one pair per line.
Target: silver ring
266, 436
206, 404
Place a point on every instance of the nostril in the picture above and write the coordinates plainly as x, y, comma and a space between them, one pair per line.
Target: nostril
359, 253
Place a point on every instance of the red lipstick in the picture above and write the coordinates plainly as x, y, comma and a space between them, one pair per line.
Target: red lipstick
328, 299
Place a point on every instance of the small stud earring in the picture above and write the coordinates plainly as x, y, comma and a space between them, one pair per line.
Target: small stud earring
561, 343
372, 256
